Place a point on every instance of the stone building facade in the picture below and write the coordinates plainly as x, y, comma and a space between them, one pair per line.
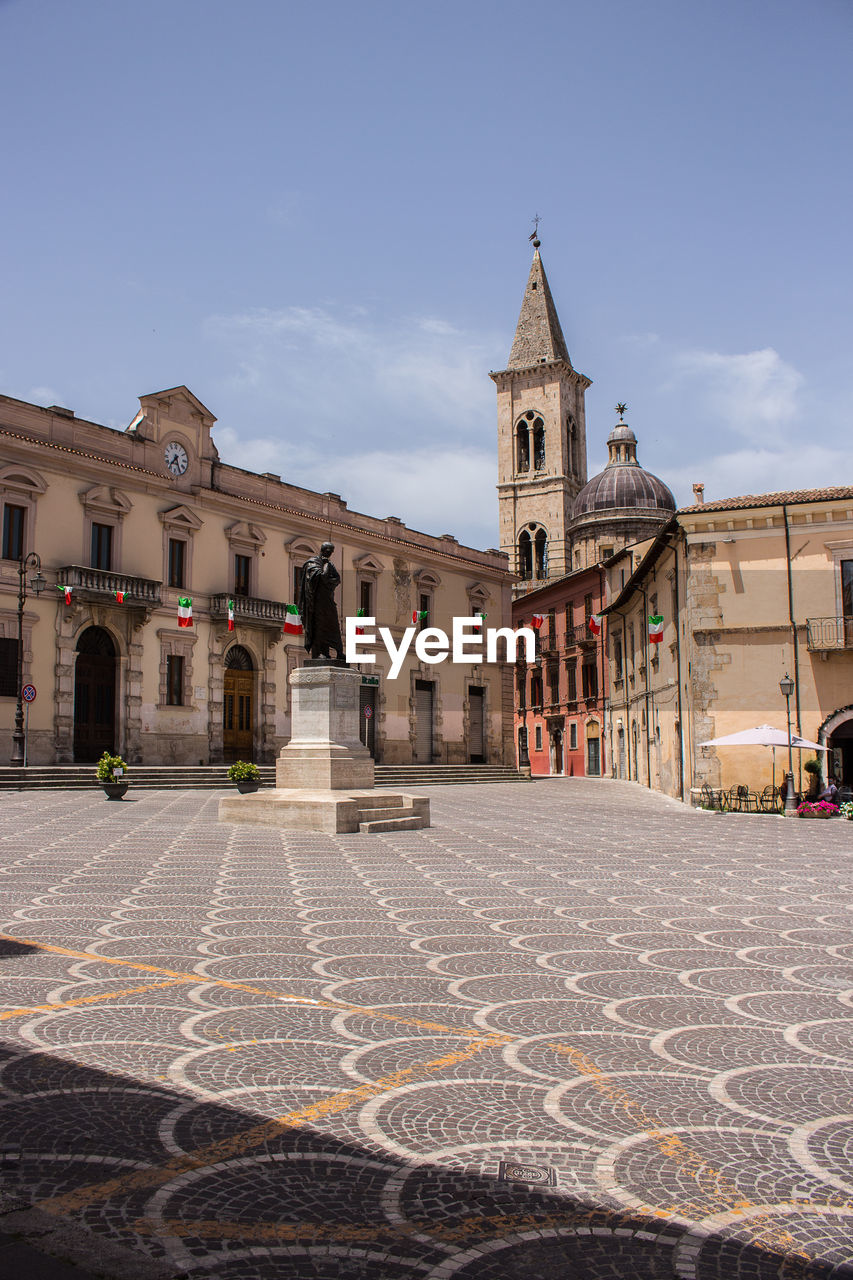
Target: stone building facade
132, 521
557, 528
750, 589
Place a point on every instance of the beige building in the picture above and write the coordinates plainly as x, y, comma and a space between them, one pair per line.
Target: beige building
750, 589
132, 521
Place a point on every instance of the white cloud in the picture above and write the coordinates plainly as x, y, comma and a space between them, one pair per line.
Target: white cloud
759, 470
345, 372
748, 393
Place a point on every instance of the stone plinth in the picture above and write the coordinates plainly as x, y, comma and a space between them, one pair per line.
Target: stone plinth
324, 752
324, 776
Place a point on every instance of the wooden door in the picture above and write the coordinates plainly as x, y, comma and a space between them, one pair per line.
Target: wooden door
94, 706
238, 717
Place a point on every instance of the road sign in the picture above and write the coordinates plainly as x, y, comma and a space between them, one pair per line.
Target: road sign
28, 693
368, 712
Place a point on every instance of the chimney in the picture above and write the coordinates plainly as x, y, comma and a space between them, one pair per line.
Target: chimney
699, 493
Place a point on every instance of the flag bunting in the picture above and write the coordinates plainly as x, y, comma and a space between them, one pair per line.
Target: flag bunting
359, 613
594, 623
119, 595
230, 615
419, 615
292, 621
67, 591
655, 628
185, 611
538, 619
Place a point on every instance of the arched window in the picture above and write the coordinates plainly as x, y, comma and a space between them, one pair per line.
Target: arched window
541, 556
538, 444
522, 446
525, 555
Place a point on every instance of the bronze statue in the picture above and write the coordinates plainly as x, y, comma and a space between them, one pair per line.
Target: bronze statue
317, 608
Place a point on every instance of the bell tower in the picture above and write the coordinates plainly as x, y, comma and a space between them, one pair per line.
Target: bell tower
541, 438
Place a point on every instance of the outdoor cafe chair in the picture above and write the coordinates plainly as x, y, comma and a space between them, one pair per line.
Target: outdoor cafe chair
770, 800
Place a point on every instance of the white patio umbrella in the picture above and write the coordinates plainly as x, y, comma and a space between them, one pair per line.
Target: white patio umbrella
764, 735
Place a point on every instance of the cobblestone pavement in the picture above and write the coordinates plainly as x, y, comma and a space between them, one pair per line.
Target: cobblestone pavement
240, 1053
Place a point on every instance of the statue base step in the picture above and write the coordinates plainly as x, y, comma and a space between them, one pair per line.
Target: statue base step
335, 812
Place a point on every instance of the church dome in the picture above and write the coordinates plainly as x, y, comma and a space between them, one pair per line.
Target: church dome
623, 483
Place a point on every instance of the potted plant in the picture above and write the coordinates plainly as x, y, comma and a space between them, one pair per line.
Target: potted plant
111, 775
846, 810
812, 768
817, 809
246, 775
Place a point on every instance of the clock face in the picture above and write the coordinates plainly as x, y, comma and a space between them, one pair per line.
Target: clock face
176, 458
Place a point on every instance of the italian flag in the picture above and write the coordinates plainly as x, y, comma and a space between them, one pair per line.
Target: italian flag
359, 613
655, 628
419, 615
594, 623
480, 618
119, 595
292, 621
538, 619
67, 591
230, 615
185, 611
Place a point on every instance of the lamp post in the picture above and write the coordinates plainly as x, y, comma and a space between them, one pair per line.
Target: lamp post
786, 686
38, 584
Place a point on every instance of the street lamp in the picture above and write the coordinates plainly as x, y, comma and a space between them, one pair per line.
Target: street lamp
786, 686
38, 584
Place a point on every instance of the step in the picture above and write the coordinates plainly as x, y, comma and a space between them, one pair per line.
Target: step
414, 823
215, 777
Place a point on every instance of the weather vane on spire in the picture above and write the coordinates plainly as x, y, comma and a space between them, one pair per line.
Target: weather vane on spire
621, 409
535, 237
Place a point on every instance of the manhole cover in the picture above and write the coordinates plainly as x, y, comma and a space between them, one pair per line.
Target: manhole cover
537, 1175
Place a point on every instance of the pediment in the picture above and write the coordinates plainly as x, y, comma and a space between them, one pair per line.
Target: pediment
368, 563
426, 579
23, 479
102, 499
245, 534
177, 404
300, 547
478, 593
180, 517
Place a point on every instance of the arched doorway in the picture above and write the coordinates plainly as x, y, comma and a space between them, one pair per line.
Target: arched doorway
238, 705
94, 695
837, 732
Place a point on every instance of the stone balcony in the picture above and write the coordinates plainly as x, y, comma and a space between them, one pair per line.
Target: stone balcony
101, 585
250, 610
828, 634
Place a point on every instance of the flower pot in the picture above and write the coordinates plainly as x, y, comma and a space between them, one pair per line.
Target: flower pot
248, 785
115, 790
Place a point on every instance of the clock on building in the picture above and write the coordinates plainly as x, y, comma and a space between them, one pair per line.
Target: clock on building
176, 458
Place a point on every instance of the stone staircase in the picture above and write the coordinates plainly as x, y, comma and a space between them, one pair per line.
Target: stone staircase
405, 777
392, 813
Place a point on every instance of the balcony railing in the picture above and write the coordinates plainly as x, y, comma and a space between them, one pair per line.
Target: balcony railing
829, 633
251, 609
102, 584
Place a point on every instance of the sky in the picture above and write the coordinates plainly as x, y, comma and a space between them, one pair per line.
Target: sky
316, 216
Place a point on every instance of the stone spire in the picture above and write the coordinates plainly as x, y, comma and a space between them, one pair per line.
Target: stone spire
538, 336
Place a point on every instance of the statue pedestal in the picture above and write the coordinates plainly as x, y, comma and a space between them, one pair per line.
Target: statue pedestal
324, 775
325, 751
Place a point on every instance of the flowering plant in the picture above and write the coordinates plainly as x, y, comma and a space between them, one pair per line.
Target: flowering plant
107, 766
817, 809
244, 771
846, 810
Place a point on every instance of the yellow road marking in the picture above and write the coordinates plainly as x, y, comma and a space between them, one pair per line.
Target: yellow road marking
80, 1000
335, 1006
239, 1144
720, 1194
